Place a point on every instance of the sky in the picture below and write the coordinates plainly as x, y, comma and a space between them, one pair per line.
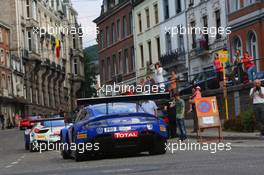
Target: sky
88, 10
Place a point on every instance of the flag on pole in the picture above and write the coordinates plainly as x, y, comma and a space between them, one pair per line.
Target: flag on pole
57, 47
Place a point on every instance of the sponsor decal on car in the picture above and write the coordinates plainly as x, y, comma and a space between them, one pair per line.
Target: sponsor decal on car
122, 135
110, 129
163, 129
81, 136
124, 128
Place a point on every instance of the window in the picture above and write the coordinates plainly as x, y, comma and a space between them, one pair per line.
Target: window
1, 36
156, 11
237, 45
249, 2
235, 5
180, 41
34, 10
147, 18
132, 65
37, 96
125, 61
2, 57
29, 41
7, 38
191, 3
102, 38
142, 55
193, 35
166, 9
139, 23
115, 65
75, 66
118, 29
158, 46
178, 6
168, 42
103, 70
252, 45
124, 26
9, 84
120, 62
113, 33
109, 71
107, 36
3, 81
150, 52
31, 95
28, 8
130, 23
218, 23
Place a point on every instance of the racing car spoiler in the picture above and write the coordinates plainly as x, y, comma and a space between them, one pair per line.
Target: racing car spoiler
132, 98
47, 119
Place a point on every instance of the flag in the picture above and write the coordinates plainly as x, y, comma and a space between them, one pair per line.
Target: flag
57, 47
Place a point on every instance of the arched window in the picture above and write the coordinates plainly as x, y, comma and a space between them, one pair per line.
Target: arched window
237, 45
252, 46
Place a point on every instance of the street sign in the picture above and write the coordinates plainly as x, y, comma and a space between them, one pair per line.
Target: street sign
223, 56
207, 115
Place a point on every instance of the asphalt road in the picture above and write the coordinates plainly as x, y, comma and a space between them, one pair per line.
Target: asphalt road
245, 157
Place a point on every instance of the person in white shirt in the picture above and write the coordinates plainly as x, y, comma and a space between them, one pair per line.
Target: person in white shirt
159, 75
257, 94
150, 107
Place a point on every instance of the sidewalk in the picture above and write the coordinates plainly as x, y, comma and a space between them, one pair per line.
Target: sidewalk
227, 135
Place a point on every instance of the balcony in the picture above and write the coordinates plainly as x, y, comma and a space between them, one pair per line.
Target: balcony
30, 22
201, 49
76, 53
173, 58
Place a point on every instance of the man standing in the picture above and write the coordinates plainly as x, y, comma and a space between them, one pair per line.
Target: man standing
257, 94
180, 110
2, 120
150, 107
172, 126
196, 95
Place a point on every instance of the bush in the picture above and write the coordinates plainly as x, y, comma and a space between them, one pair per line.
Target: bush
245, 122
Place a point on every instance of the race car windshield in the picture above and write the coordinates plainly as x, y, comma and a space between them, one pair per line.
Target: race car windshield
53, 123
117, 108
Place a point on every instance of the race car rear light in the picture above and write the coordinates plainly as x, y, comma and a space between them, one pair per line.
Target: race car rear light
36, 130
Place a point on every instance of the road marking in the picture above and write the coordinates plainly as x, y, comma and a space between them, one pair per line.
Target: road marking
15, 162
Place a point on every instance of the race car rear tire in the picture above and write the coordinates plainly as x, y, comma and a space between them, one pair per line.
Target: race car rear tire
159, 147
64, 153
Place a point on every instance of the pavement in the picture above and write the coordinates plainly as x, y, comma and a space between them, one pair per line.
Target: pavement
245, 157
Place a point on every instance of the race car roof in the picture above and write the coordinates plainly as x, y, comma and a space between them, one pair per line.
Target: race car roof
132, 98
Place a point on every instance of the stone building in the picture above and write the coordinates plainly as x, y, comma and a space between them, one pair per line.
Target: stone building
115, 42
46, 56
247, 23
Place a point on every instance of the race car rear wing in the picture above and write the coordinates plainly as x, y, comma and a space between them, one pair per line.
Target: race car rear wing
132, 98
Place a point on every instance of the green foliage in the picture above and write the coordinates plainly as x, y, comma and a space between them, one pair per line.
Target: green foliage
245, 122
90, 71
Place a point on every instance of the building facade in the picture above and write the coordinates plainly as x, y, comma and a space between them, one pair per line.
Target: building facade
147, 41
245, 17
115, 42
7, 101
47, 60
174, 53
210, 14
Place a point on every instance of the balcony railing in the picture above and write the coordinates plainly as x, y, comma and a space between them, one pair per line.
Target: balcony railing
173, 58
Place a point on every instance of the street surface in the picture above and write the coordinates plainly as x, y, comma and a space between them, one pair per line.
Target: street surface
246, 157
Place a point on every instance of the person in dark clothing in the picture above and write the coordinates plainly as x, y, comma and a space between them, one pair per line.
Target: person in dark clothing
171, 111
2, 120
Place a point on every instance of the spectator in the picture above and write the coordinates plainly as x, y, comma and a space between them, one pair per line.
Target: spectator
172, 126
249, 66
148, 84
18, 119
173, 83
2, 120
159, 76
218, 69
238, 68
180, 109
196, 95
150, 107
257, 94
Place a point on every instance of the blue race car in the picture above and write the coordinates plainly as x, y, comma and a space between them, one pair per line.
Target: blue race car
111, 128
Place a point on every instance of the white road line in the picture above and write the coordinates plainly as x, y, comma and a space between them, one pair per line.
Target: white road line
9, 166
116, 171
15, 162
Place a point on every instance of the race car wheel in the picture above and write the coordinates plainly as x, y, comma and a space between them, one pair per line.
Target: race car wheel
158, 147
76, 153
64, 153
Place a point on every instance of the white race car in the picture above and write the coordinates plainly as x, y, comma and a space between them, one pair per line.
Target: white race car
44, 132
